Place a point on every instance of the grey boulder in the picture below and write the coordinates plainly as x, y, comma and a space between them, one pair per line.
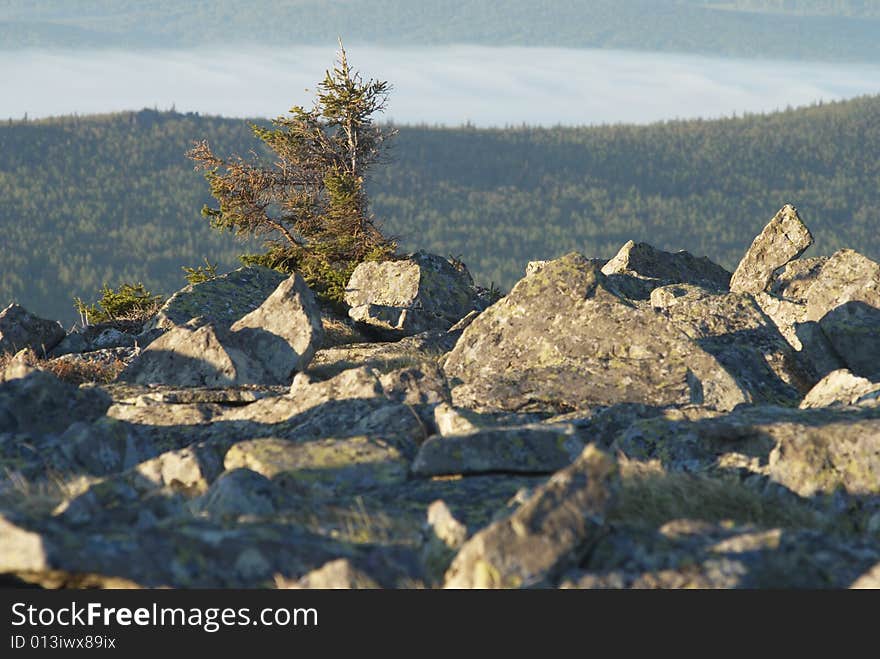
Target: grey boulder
562, 340
20, 329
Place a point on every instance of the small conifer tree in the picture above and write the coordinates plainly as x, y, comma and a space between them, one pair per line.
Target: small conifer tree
311, 204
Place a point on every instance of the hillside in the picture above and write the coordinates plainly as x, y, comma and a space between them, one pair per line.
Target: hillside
814, 29
92, 200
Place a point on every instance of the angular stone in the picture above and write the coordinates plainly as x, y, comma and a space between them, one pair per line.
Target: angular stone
546, 535
643, 261
220, 301
535, 450
402, 298
869, 580
783, 239
20, 329
443, 536
562, 341
239, 492
839, 387
205, 357
807, 338
335, 575
283, 332
795, 279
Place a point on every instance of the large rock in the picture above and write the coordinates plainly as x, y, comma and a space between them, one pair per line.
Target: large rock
732, 328
37, 402
283, 332
20, 329
267, 346
646, 262
829, 308
562, 340
783, 239
546, 535
205, 357
420, 293
845, 301
219, 301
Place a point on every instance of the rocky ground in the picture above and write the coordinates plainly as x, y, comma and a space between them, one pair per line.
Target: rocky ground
652, 421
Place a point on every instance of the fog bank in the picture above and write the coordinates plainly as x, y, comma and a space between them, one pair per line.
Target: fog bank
436, 85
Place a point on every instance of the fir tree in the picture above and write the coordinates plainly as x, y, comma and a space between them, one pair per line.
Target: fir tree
311, 204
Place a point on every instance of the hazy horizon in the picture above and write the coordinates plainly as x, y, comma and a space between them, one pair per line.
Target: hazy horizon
445, 85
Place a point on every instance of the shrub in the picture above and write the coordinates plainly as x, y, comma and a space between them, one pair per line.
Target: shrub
201, 273
128, 302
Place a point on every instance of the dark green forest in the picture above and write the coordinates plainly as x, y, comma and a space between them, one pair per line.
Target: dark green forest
86, 201
805, 29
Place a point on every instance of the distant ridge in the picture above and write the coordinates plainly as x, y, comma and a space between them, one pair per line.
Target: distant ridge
91, 200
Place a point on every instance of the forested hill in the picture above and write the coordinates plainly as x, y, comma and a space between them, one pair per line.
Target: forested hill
808, 29
94, 200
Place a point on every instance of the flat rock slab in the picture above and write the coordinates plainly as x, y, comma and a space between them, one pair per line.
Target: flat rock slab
809, 452
322, 466
562, 341
182, 553
529, 450
695, 554
784, 238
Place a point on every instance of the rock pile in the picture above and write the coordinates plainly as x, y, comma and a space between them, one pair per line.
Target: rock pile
648, 421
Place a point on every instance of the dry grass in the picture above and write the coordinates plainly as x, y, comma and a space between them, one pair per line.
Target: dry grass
69, 368
39, 498
651, 497
338, 332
